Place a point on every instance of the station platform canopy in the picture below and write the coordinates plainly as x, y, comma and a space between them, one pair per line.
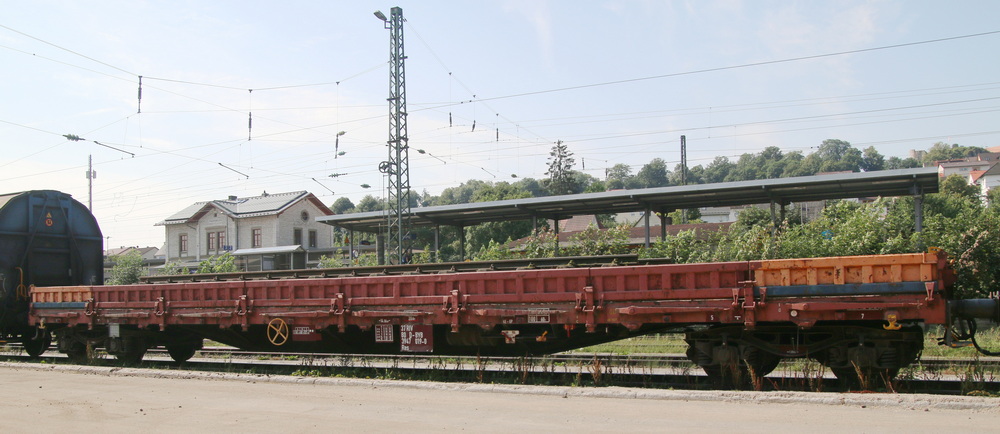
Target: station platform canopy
783, 191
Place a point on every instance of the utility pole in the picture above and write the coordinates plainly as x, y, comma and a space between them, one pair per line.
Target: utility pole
91, 174
397, 168
684, 169
684, 160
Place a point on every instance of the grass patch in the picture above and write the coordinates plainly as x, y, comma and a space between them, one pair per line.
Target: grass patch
987, 337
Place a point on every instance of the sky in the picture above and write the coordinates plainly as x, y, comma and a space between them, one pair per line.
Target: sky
243, 97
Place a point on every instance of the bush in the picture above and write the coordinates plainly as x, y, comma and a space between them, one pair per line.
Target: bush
224, 263
173, 268
958, 223
328, 262
127, 269
494, 251
593, 241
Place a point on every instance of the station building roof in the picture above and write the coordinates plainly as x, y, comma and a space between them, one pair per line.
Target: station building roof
256, 206
901, 182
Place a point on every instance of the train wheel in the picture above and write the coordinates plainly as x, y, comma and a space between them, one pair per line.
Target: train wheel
127, 350
73, 345
131, 357
78, 353
733, 366
757, 364
35, 346
182, 352
874, 358
729, 377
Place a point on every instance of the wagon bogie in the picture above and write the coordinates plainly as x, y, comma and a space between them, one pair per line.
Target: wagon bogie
849, 350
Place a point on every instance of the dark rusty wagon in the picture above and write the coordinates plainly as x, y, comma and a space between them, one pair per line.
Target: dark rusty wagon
46, 239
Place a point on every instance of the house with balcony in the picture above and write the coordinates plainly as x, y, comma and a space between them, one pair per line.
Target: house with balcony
266, 232
986, 180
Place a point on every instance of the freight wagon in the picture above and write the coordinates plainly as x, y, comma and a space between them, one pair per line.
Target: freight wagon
46, 239
859, 315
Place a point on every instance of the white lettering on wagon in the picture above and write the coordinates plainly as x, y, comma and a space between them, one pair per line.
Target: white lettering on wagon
383, 333
539, 319
416, 338
305, 334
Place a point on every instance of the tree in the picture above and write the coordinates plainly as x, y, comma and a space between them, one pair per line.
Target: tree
369, 203
482, 235
596, 187
489, 192
872, 160
464, 193
753, 216
993, 199
900, 163
653, 174
530, 185
425, 198
803, 166
941, 151
718, 170
769, 163
580, 181
342, 205
560, 170
955, 184
792, 163
618, 176
126, 270
837, 156
695, 175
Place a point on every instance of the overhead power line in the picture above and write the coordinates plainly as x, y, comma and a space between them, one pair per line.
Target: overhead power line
745, 65
68, 50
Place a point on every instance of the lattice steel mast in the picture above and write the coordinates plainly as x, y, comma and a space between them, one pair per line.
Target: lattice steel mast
397, 167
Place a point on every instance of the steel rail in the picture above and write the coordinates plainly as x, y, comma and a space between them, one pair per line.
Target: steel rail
512, 372
641, 359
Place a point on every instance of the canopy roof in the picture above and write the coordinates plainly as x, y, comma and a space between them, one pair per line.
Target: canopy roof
900, 182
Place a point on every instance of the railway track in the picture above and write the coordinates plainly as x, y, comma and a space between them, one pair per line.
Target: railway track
645, 359
414, 269
583, 369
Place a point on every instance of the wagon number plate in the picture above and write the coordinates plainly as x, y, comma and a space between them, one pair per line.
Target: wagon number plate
416, 338
539, 319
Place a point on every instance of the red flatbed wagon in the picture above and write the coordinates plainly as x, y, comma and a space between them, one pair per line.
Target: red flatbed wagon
850, 313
